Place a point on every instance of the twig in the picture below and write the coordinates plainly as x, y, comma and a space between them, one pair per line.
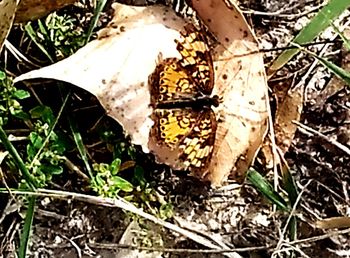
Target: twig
280, 13
177, 250
334, 142
121, 203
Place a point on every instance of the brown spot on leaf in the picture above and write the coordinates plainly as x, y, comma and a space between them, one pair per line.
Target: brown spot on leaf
113, 25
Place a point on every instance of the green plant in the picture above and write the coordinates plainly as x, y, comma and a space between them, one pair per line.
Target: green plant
9, 96
45, 149
57, 35
106, 182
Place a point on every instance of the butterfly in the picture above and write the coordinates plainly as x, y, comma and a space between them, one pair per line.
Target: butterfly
181, 99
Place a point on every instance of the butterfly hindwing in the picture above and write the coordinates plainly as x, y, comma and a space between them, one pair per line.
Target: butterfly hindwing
190, 131
173, 125
197, 146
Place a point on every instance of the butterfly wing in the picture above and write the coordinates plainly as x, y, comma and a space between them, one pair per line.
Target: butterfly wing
197, 146
190, 131
170, 82
171, 126
196, 58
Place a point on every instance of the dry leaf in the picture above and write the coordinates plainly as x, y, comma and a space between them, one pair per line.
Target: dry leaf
240, 79
7, 14
115, 68
29, 10
289, 108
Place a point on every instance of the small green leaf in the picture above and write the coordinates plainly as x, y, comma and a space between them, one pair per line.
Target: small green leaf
166, 211
2, 75
43, 112
51, 169
36, 140
115, 166
123, 184
21, 114
31, 151
21, 94
99, 180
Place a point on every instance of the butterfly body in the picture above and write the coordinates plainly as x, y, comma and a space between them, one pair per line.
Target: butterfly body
198, 103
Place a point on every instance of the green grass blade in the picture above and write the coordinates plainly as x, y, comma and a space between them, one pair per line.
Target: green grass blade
80, 145
338, 71
263, 186
342, 36
290, 186
52, 127
28, 222
31, 33
100, 4
319, 23
18, 160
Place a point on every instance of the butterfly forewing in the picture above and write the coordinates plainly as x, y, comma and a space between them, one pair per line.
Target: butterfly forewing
197, 58
170, 82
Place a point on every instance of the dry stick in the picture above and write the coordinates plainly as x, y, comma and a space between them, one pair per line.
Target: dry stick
287, 249
334, 142
17, 54
280, 13
244, 249
75, 169
76, 247
2, 176
121, 203
129, 207
114, 203
273, 143
176, 250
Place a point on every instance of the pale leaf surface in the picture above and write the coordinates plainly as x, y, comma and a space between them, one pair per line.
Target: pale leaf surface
240, 79
7, 14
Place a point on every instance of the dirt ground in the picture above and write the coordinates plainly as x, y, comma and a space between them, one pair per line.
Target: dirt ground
236, 214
